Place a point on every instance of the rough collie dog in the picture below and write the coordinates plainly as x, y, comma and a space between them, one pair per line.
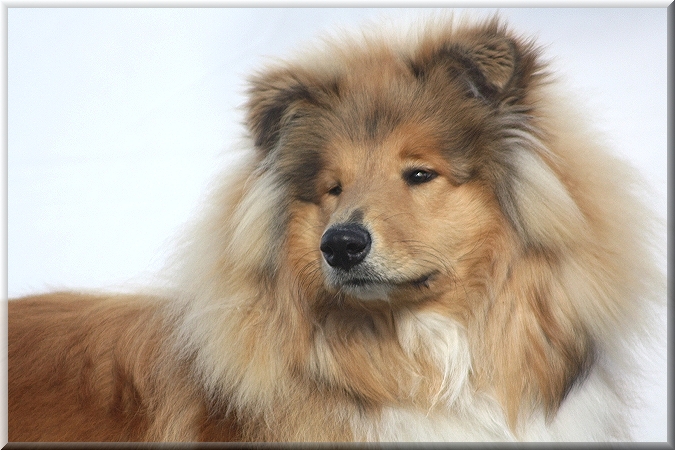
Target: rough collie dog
423, 243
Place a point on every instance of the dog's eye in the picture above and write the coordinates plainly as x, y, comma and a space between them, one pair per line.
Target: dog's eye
418, 176
335, 191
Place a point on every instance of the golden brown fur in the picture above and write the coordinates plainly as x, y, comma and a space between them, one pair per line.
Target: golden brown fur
507, 266
95, 368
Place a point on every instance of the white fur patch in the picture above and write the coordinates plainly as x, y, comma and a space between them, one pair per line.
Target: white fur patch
588, 414
445, 342
462, 414
549, 214
457, 413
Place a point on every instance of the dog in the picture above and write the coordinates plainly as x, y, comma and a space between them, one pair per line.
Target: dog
424, 242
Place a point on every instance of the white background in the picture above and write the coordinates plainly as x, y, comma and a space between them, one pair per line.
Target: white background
118, 119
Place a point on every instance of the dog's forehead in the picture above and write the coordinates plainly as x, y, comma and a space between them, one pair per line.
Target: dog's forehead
407, 139
403, 113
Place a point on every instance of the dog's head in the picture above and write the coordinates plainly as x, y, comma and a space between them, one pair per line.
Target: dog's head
405, 168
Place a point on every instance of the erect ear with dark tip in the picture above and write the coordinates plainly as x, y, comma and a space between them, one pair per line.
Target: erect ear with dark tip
487, 61
274, 99
496, 60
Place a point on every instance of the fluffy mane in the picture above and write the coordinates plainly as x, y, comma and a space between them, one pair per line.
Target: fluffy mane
556, 288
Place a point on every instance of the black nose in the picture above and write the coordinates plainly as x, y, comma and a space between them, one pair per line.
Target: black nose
344, 246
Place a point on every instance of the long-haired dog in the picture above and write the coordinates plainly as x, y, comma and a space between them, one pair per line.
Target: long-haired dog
424, 242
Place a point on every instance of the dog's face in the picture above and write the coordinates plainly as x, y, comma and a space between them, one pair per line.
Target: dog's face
392, 165
392, 221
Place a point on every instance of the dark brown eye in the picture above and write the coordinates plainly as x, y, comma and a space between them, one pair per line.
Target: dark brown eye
418, 176
335, 191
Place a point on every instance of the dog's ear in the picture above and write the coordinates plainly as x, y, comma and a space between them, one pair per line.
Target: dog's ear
272, 97
487, 61
276, 98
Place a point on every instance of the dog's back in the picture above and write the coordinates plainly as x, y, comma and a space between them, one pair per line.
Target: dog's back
71, 378
90, 368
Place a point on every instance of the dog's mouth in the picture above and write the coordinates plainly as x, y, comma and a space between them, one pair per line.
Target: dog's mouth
422, 281
377, 287
364, 281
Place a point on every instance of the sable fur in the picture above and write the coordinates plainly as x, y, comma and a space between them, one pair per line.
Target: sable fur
499, 295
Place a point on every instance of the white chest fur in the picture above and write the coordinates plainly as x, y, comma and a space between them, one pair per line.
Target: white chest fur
590, 412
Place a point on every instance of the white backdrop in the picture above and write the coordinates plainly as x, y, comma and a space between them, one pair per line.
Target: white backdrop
118, 119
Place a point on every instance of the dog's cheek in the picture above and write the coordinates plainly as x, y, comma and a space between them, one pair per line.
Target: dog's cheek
306, 224
466, 217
